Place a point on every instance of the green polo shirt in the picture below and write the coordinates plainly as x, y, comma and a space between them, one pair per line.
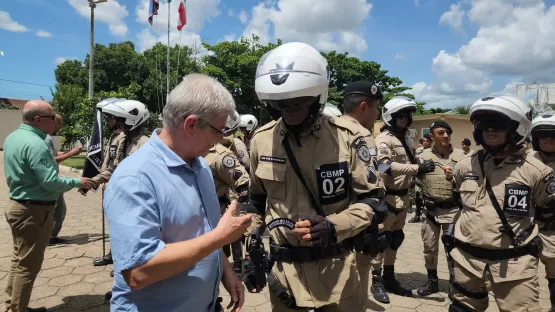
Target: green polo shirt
30, 168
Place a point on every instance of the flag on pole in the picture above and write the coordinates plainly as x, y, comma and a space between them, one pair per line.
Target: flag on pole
93, 162
153, 10
182, 16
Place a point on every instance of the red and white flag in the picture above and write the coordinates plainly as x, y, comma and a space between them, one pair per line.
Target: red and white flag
182, 16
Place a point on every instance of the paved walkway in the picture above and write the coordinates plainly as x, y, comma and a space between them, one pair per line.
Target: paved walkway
69, 282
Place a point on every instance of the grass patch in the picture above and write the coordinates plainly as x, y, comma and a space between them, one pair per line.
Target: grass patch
77, 162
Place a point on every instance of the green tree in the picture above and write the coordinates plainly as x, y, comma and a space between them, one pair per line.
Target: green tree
234, 64
462, 109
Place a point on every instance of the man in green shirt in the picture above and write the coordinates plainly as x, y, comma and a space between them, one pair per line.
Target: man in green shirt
34, 185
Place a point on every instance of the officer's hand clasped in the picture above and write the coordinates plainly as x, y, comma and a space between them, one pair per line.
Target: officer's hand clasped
316, 230
426, 167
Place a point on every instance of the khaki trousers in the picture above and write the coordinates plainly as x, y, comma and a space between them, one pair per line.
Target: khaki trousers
31, 227
431, 235
548, 253
353, 303
393, 222
514, 296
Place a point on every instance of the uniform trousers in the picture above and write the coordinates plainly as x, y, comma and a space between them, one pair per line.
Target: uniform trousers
31, 226
393, 222
431, 235
548, 253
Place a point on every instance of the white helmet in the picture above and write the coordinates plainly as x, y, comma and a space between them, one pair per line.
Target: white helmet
395, 105
105, 102
232, 122
290, 71
331, 110
513, 111
134, 112
248, 122
542, 122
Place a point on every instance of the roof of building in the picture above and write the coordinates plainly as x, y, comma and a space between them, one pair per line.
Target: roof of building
14, 102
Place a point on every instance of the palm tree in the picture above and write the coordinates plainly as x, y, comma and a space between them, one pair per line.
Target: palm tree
462, 109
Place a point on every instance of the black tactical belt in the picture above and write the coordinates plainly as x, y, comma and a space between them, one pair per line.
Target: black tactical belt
533, 248
35, 202
441, 204
290, 254
401, 192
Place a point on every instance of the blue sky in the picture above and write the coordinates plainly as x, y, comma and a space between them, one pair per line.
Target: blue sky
450, 52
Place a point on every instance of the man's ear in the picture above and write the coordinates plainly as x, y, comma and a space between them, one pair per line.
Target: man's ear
190, 124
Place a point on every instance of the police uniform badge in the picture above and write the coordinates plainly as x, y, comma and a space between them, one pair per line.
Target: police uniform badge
112, 151
241, 154
551, 187
374, 89
228, 161
373, 152
363, 153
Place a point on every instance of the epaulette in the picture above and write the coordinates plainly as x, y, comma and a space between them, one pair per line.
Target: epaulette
534, 161
270, 125
343, 124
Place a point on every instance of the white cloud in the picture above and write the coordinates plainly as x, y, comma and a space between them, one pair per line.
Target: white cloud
43, 34
243, 17
515, 38
198, 13
453, 17
417, 3
7, 23
59, 60
455, 82
400, 57
230, 12
230, 37
330, 25
111, 13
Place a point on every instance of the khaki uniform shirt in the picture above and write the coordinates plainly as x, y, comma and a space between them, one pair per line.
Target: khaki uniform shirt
135, 142
520, 183
419, 151
333, 158
391, 150
114, 152
434, 185
470, 152
228, 173
239, 148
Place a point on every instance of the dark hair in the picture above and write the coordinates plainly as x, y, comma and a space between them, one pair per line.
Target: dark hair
421, 141
352, 101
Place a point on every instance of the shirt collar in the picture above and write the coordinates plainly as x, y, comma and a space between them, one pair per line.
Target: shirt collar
170, 157
36, 131
314, 129
449, 151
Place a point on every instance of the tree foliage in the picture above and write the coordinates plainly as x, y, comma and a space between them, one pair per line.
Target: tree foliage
462, 109
120, 71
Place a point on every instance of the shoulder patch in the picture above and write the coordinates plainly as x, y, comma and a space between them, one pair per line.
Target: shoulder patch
548, 177
228, 161
241, 154
550, 188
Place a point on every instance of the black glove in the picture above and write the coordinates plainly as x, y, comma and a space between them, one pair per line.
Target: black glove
426, 167
321, 231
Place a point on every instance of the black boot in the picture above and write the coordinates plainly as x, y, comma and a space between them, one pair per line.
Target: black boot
107, 297
377, 288
391, 284
104, 260
431, 287
551, 286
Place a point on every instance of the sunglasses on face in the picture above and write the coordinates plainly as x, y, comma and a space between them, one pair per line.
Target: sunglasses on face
443, 132
491, 124
53, 117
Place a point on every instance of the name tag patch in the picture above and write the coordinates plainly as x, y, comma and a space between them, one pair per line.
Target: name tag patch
517, 200
471, 177
334, 182
271, 159
281, 222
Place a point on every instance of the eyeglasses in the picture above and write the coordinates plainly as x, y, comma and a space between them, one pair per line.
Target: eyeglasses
443, 132
53, 117
220, 132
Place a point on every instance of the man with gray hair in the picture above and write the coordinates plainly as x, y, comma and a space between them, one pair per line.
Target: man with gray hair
34, 185
163, 212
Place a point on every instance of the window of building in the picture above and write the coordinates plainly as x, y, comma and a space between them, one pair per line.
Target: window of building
425, 131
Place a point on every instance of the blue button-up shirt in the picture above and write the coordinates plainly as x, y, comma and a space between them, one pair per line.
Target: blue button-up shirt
154, 198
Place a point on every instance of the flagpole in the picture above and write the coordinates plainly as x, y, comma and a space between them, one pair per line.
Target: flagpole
168, 56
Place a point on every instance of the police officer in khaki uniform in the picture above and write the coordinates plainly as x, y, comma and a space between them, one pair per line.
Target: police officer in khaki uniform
114, 152
441, 210
465, 144
360, 104
310, 180
397, 166
229, 175
247, 125
496, 238
234, 143
543, 142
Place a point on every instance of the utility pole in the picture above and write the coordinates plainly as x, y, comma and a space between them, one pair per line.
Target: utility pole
92, 4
